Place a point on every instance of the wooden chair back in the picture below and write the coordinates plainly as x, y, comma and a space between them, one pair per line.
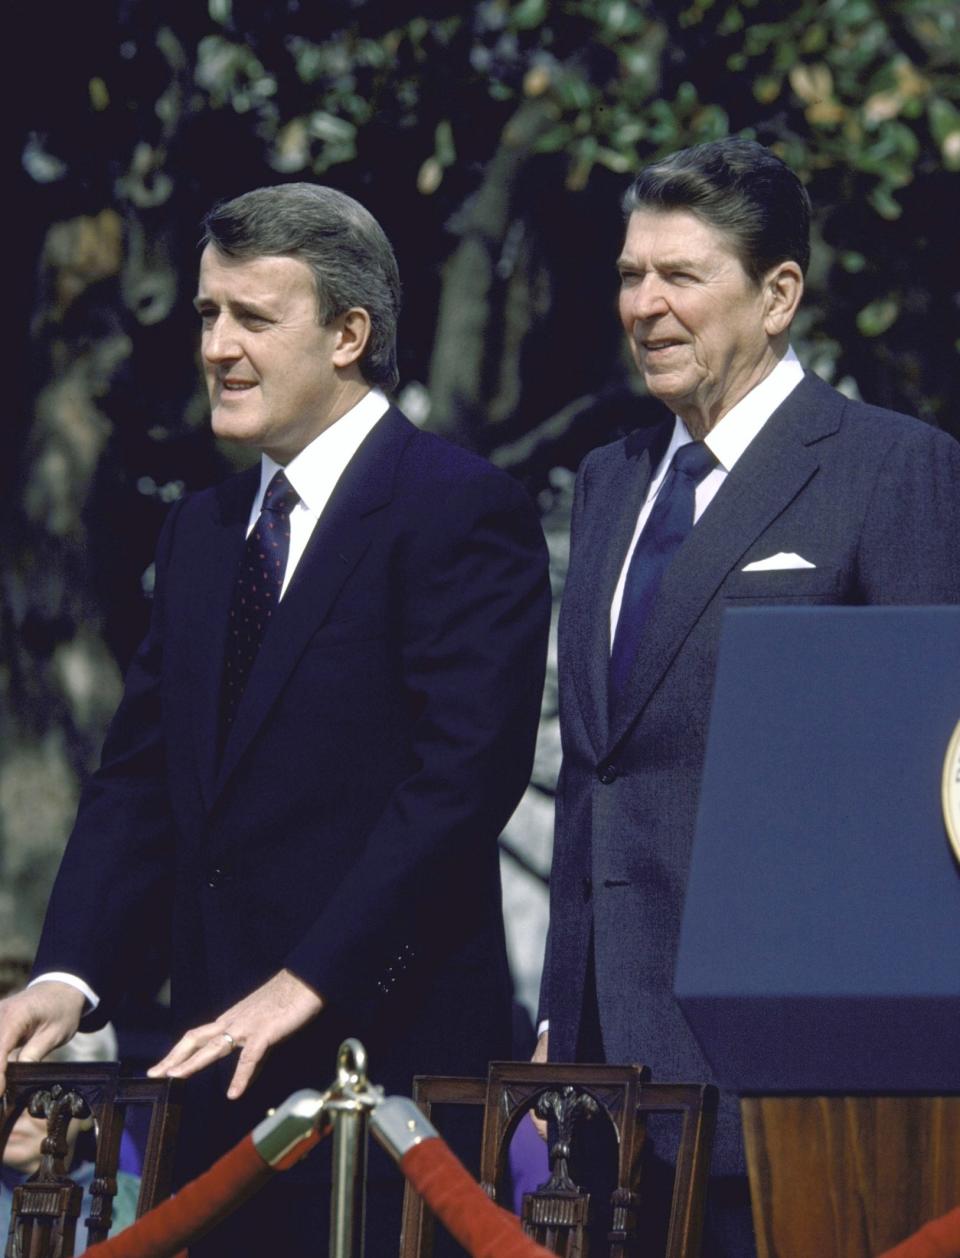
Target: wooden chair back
558, 1213
46, 1210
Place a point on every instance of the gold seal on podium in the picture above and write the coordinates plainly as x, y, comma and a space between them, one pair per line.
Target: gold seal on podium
951, 791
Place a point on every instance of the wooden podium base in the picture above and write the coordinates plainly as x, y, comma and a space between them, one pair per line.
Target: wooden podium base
848, 1177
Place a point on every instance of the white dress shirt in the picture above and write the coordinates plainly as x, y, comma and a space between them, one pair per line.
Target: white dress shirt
314, 474
315, 471
727, 440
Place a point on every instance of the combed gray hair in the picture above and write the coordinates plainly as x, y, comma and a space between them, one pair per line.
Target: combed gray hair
345, 247
738, 187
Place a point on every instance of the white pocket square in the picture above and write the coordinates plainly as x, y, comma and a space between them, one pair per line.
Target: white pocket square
778, 563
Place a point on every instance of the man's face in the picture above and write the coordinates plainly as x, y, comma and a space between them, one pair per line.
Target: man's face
695, 321
268, 363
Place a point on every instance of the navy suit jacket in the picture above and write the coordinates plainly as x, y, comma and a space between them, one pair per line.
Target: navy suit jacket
348, 829
872, 499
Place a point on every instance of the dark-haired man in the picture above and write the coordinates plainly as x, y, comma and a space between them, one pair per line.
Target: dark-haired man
329, 722
765, 485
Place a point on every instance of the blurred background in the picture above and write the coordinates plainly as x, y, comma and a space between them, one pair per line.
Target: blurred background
493, 142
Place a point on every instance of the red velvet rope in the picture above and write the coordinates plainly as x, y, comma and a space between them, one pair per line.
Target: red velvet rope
483, 1228
180, 1220
940, 1238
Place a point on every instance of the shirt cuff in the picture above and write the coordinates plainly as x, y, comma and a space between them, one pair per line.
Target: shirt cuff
71, 980
544, 1026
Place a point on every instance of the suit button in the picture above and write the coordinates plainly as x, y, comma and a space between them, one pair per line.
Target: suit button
607, 773
218, 876
587, 888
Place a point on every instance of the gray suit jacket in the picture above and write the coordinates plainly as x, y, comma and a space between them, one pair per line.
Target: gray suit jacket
872, 499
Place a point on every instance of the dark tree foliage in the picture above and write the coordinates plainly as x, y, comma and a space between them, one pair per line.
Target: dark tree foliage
493, 141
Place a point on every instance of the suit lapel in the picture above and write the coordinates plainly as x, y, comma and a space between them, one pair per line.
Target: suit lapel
607, 532
341, 536
771, 472
217, 559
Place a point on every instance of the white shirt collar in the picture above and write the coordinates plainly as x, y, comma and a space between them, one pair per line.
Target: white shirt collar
731, 435
314, 472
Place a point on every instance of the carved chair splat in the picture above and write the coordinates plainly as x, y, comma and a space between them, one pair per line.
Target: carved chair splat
46, 1208
556, 1214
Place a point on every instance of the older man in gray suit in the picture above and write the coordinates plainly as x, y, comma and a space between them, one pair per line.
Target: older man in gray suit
766, 486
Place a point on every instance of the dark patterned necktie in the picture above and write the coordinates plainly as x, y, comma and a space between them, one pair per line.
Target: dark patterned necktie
670, 521
257, 591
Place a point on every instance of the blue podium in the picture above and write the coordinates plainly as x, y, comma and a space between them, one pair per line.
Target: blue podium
820, 947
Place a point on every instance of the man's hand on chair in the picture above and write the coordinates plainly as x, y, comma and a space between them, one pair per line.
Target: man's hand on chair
36, 1021
251, 1028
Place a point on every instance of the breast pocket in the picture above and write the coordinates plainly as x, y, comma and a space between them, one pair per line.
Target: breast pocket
349, 629
787, 585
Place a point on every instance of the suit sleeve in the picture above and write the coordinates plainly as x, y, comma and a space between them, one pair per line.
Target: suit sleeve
560, 835
910, 545
107, 911
474, 615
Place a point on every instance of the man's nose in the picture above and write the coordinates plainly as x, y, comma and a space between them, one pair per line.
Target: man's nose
219, 341
646, 299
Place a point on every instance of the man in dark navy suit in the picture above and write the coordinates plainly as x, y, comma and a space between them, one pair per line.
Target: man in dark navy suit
328, 724
763, 486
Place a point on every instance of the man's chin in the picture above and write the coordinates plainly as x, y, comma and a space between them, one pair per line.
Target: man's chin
665, 390
232, 428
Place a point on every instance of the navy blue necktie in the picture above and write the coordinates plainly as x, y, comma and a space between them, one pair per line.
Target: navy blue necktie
257, 591
669, 523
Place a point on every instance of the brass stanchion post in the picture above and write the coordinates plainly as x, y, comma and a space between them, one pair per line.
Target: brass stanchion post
348, 1105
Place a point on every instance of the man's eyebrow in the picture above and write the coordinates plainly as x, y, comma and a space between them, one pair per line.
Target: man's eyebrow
243, 308
679, 262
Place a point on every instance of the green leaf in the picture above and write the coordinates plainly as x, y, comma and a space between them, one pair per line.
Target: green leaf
331, 130
944, 118
759, 36
731, 22
554, 140
767, 88
875, 318
527, 14
574, 92
882, 199
621, 18
851, 12
99, 95
629, 134
638, 61
443, 146
815, 38
852, 261
613, 160
711, 123
686, 96
696, 13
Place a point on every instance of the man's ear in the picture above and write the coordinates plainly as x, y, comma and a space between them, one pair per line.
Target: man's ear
352, 337
783, 288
